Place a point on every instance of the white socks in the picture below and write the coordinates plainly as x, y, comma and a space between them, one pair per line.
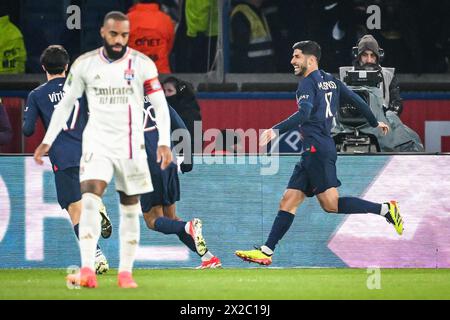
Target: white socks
384, 209
266, 250
90, 228
186, 227
129, 233
207, 256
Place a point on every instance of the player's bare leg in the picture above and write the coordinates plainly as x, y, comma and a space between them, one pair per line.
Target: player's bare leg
332, 203
289, 203
291, 200
151, 216
129, 232
171, 212
329, 199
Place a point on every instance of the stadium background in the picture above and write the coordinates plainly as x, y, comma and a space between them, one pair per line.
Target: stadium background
236, 203
423, 112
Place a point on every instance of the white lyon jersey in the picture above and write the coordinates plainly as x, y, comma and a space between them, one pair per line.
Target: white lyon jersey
115, 93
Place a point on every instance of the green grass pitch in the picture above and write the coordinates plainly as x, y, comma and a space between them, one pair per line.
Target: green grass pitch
258, 284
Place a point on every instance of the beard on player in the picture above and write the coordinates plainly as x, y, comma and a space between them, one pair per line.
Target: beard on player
300, 70
114, 51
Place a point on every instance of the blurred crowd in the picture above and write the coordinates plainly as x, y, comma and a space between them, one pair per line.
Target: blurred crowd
181, 35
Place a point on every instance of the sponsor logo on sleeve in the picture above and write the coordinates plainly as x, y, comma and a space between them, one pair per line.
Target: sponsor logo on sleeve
69, 79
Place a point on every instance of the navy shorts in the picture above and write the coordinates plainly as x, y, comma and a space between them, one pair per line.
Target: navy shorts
316, 171
166, 187
67, 183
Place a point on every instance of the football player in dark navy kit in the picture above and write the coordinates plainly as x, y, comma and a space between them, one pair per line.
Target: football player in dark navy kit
159, 206
318, 96
65, 153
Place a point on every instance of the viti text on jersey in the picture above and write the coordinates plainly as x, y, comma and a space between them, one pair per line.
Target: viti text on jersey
56, 96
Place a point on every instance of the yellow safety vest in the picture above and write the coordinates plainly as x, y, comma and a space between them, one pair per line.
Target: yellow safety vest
12, 48
260, 38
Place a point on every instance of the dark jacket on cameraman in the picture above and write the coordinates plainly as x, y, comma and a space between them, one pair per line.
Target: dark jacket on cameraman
395, 101
390, 87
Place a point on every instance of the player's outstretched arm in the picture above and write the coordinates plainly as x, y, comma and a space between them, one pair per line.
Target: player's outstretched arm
30, 116
155, 95
305, 95
162, 119
186, 161
298, 118
356, 100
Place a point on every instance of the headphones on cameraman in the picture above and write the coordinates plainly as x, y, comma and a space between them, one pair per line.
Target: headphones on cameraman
355, 54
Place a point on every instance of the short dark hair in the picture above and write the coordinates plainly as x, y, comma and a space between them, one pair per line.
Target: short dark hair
115, 15
54, 59
309, 47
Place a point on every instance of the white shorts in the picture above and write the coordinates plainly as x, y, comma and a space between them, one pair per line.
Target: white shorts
132, 175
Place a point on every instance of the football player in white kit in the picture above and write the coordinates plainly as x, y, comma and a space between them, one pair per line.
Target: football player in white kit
115, 79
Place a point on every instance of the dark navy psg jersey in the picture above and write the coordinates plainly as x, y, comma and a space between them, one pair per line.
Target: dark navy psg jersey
325, 93
66, 149
322, 91
318, 98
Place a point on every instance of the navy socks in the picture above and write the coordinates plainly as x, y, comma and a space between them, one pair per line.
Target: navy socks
168, 226
187, 240
351, 205
280, 226
347, 205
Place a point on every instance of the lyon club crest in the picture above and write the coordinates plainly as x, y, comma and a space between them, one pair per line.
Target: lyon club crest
129, 74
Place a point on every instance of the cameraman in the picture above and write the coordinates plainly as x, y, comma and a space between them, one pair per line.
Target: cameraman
367, 56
